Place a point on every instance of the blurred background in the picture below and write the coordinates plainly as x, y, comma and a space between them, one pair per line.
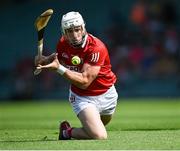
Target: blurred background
142, 37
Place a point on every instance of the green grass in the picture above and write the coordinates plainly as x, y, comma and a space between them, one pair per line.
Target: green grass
137, 124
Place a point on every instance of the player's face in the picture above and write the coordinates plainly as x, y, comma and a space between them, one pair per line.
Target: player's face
74, 35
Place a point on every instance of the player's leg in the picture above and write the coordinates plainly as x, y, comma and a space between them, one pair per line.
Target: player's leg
88, 114
79, 133
93, 127
108, 105
67, 132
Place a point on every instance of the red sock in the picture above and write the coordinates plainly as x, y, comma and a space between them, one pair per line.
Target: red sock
69, 132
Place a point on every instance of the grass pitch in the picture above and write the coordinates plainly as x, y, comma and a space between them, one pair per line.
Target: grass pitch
153, 124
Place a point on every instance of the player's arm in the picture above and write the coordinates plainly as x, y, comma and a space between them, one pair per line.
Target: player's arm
81, 80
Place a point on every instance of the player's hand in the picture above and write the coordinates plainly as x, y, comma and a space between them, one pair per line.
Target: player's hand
51, 57
54, 65
40, 60
44, 60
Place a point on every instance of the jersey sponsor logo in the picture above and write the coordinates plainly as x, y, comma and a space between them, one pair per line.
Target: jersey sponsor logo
95, 57
73, 68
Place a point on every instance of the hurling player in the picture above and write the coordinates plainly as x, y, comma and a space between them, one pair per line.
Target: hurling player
92, 93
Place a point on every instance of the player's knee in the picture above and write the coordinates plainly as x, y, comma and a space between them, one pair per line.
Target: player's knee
100, 135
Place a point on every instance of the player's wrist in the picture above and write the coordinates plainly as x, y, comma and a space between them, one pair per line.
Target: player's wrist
61, 69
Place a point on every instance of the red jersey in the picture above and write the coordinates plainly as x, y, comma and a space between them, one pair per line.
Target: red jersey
94, 53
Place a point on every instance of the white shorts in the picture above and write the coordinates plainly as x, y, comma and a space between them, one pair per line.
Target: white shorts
105, 103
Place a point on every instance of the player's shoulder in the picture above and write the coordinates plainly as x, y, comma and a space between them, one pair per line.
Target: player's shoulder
95, 43
94, 40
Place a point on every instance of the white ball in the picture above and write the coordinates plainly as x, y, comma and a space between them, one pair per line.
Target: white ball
76, 60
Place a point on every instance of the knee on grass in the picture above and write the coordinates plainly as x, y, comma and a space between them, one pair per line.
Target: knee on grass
99, 136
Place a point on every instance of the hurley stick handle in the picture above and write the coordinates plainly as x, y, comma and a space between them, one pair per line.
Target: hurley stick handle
40, 48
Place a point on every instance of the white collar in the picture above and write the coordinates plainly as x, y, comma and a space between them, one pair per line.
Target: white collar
85, 39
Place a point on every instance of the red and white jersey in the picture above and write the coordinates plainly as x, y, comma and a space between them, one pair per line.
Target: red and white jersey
94, 53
